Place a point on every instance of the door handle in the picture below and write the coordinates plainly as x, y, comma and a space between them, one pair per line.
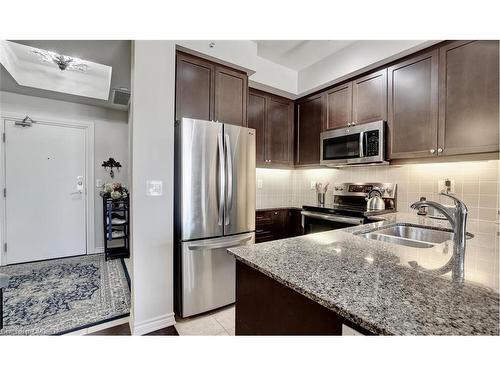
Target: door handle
229, 172
222, 179
361, 144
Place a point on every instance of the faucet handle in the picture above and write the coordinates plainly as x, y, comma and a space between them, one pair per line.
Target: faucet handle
458, 203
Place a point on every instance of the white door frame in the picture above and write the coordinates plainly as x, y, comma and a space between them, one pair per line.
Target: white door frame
88, 127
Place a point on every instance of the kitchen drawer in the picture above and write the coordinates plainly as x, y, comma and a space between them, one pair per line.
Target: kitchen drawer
272, 225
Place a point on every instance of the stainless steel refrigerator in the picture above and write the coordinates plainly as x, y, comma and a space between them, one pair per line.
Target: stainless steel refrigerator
214, 210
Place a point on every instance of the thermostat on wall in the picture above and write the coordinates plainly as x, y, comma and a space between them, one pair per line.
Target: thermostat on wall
154, 188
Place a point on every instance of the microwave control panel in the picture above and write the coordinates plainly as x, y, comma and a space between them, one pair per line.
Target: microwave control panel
372, 143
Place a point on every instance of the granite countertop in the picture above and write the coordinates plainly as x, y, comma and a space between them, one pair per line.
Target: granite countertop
370, 283
4, 280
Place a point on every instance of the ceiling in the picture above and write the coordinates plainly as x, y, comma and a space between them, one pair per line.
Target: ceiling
114, 53
298, 54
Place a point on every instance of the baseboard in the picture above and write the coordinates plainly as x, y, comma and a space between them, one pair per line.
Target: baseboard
151, 325
97, 250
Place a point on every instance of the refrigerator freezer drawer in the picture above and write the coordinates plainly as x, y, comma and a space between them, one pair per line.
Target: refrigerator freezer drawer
208, 273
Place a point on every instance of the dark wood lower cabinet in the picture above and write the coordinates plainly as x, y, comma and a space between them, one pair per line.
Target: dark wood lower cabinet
267, 307
277, 224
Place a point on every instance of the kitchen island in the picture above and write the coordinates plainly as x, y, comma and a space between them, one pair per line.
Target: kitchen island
318, 283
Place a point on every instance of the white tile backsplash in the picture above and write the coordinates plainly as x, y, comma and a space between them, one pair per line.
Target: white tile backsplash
475, 182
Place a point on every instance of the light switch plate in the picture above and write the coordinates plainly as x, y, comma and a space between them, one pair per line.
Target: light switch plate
98, 183
313, 185
442, 186
154, 188
259, 183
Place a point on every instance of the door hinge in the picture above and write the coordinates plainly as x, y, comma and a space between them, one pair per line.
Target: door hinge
4, 192
5, 247
3, 137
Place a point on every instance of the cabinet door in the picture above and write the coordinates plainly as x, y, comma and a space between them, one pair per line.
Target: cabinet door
310, 120
194, 88
468, 105
256, 120
339, 106
369, 98
231, 89
279, 131
413, 107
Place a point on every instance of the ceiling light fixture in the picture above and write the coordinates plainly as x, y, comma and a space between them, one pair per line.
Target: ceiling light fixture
62, 61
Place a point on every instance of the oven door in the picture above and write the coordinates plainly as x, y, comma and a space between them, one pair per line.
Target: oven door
314, 222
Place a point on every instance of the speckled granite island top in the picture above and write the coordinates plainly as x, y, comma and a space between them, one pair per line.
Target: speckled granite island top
369, 282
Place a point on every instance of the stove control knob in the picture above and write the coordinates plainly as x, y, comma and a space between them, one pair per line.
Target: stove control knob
382, 190
389, 191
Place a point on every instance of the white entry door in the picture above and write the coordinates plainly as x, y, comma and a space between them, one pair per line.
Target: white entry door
45, 204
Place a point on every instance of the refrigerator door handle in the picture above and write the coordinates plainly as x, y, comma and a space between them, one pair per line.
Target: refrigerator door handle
222, 180
221, 244
229, 159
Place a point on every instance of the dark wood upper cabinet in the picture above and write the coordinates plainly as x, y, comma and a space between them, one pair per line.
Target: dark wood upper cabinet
257, 121
272, 118
231, 96
339, 106
279, 131
369, 98
194, 88
205, 90
413, 107
468, 103
310, 122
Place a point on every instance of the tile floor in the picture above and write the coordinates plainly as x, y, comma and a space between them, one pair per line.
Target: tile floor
218, 323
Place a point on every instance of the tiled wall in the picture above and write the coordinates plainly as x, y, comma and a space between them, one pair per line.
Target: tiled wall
477, 183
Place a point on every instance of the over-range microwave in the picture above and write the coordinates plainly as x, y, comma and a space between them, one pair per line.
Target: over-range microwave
359, 144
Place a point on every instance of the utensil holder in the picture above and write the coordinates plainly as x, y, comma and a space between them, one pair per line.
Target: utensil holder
321, 199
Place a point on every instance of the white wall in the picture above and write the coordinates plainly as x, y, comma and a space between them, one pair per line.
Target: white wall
152, 147
110, 136
352, 58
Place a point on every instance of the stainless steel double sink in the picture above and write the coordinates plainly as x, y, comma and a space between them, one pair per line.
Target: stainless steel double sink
410, 235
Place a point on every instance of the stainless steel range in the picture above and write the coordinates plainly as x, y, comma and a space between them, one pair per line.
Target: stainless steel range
349, 206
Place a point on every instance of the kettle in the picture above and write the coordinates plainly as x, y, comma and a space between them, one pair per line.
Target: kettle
374, 200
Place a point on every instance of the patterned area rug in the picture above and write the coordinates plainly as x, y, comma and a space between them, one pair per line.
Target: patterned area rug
58, 296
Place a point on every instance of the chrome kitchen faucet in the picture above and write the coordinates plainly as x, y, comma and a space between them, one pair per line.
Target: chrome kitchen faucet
457, 216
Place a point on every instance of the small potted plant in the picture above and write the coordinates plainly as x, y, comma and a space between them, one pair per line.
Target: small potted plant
114, 190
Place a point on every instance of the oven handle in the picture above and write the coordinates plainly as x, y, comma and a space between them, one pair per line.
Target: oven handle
334, 218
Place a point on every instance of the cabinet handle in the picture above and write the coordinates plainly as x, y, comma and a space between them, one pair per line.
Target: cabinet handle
440, 150
432, 151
